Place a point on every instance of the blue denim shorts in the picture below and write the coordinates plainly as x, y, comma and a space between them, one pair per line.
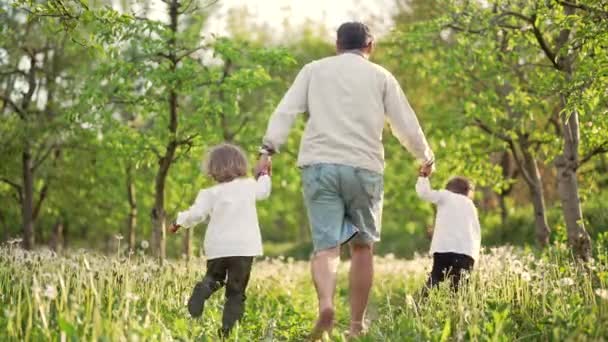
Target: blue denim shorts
344, 204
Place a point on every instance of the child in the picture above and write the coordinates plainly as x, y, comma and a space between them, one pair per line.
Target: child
233, 234
457, 235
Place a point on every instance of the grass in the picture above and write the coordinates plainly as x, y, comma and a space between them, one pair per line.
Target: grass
513, 295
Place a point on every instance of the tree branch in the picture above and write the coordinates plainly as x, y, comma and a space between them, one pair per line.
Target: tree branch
20, 112
520, 163
41, 197
602, 13
38, 161
16, 186
596, 151
481, 125
544, 45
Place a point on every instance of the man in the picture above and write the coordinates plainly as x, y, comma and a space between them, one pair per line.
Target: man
342, 160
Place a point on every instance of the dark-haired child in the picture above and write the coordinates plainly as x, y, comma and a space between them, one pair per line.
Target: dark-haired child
457, 234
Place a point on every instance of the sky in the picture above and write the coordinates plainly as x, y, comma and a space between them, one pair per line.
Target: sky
329, 12
274, 13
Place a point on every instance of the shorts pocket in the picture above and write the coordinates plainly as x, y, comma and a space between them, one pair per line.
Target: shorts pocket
311, 181
372, 183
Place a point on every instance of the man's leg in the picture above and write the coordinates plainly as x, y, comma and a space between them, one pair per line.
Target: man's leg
360, 277
324, 268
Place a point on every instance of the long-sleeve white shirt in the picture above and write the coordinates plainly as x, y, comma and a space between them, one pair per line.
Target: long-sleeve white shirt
233, 228
457, 228
348, 99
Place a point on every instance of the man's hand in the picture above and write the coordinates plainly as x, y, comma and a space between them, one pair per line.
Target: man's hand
264, 166
426, 170
174, 227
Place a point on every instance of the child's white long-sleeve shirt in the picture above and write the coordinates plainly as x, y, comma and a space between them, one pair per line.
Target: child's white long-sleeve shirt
457, 228
233, 228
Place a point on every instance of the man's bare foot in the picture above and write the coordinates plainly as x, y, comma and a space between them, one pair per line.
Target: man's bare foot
324, 324
356, 329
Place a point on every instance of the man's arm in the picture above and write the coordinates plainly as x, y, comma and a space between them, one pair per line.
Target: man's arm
404, 124
293, 103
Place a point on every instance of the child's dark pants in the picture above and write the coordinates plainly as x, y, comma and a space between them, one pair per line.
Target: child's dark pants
451, 266
233, 272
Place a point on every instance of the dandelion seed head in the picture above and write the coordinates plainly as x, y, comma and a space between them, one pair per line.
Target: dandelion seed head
566, 281
50, 292
602, 293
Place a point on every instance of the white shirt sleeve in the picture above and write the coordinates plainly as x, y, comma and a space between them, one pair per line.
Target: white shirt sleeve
262, 187
424, 191
403, 122
198, 212
293, 103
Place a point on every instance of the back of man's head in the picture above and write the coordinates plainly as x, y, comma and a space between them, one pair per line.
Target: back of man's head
353, 36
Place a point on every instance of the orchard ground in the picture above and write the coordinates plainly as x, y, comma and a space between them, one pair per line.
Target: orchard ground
513, 295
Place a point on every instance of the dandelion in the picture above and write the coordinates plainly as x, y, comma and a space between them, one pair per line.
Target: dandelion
15, 241
50, 292
525, 276
132, 297
145, 244
118, 237
602, 293
566, 281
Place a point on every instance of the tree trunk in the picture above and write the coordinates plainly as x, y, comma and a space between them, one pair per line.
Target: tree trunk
132, 219
158, 213
27, 205
535, 186
57, 237
504, 210
509, 172
567, 186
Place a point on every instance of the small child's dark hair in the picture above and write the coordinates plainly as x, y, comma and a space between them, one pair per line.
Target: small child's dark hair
225, 162
461, 185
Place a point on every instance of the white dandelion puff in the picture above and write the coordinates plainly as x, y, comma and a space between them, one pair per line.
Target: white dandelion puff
602, 293
566, 281
145, 244
132, 297
50, 292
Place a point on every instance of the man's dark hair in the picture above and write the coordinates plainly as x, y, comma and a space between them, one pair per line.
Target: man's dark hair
353, 35
460, 185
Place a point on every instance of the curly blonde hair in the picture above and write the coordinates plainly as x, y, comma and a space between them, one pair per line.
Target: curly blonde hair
225, 162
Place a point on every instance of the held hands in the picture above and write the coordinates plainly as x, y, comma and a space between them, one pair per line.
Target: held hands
263, 167
174, 227
426, 170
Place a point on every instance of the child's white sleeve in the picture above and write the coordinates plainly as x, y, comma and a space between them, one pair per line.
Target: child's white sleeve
424, 191
262, 187
197, 213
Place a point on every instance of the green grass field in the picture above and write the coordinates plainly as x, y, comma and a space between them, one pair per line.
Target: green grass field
513, 295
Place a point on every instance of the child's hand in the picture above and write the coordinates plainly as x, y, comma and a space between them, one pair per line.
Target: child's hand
266, 170
174, 227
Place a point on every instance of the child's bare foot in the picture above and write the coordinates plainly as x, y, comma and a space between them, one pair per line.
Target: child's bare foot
324, 324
